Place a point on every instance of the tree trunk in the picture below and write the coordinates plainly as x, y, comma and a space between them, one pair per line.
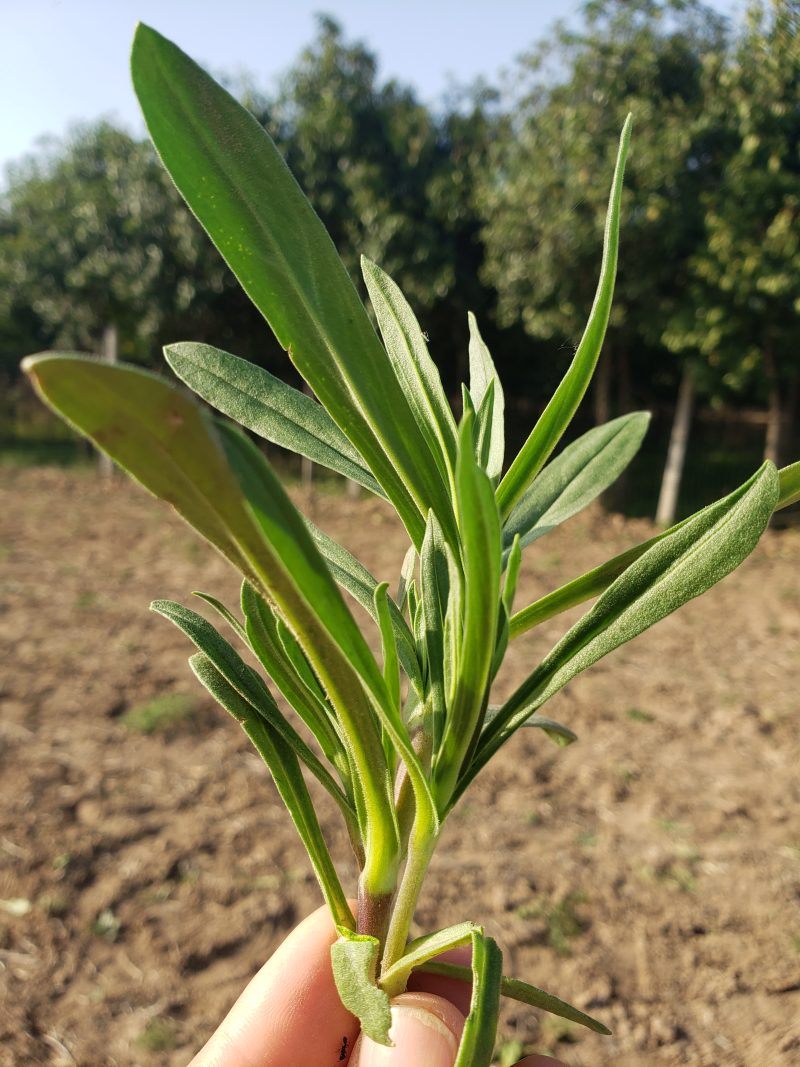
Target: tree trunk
109, 351
776, 417
601, 396
676, 454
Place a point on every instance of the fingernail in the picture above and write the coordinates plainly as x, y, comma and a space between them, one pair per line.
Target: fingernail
425, 1030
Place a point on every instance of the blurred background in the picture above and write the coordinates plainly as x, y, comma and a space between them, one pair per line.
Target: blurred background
650, 873
471, 156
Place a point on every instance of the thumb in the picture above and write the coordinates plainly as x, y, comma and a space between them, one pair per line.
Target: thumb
426, 1030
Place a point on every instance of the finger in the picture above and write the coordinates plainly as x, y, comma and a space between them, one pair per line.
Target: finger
455, 990
426, 1030
290, 1013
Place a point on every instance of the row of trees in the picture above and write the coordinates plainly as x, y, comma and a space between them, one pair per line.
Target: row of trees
495, 204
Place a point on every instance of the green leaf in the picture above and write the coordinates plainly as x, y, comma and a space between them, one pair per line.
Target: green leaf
415, 370
594, 582
480, 1030
514, 561
524, 993
244, 680
391, 665
560, 735
290, 570
790, 485
423, 949
575, 477
226, 614
355, 960
354, 577
237, 184
558, 414
482, 374
303, 694
675, 569
158, 435
285, 771
483, 422
269, 407
406, 574
479, 526
434, 594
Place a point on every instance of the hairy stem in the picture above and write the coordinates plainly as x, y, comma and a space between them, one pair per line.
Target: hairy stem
422, 845
374, 912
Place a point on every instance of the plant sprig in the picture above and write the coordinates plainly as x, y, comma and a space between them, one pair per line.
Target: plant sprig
397, 741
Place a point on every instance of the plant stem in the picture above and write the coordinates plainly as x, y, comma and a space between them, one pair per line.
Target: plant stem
374, 911
423, 842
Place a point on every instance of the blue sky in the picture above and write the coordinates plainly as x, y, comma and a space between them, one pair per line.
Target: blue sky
64, 61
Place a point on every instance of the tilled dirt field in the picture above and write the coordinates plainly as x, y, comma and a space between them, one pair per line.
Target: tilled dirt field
649, 873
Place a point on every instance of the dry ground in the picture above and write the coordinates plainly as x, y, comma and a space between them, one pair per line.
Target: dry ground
650, 873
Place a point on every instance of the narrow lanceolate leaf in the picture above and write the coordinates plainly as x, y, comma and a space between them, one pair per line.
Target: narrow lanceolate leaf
416, 371
237, 184
406, 574
558, 414
479, 527
514, 561
677, 568
288, 779
423, 949
482, 374
354, 577
524, 994
161, 437
575, 477
244, 680
596, 581
269, 407
391, 663
480, 1030
301, 692
435, 594
790, 485
354, 958
483, 419
226, 614
560, 735
290, 570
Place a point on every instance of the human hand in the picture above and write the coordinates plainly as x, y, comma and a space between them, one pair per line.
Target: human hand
290, 1015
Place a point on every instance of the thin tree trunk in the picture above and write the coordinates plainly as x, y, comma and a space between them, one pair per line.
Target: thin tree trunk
109, 351
773, 444
676, 454
602, 389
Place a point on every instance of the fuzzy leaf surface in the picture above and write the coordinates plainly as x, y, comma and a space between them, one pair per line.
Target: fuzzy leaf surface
482, 374
237, 184
269, 407
575, 477
285, 770
480, 1030
678, 567
355, 961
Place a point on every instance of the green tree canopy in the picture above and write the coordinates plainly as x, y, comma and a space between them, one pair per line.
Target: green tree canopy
544, 200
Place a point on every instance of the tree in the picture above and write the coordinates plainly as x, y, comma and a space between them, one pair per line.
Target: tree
389, 179
544, 200
94, 235
742, 323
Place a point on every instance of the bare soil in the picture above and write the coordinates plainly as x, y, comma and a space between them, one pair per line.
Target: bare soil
649, 873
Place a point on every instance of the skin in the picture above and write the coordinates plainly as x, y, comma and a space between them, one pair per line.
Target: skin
290, 1013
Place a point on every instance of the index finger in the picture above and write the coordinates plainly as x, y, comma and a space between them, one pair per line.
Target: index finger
290, 1013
